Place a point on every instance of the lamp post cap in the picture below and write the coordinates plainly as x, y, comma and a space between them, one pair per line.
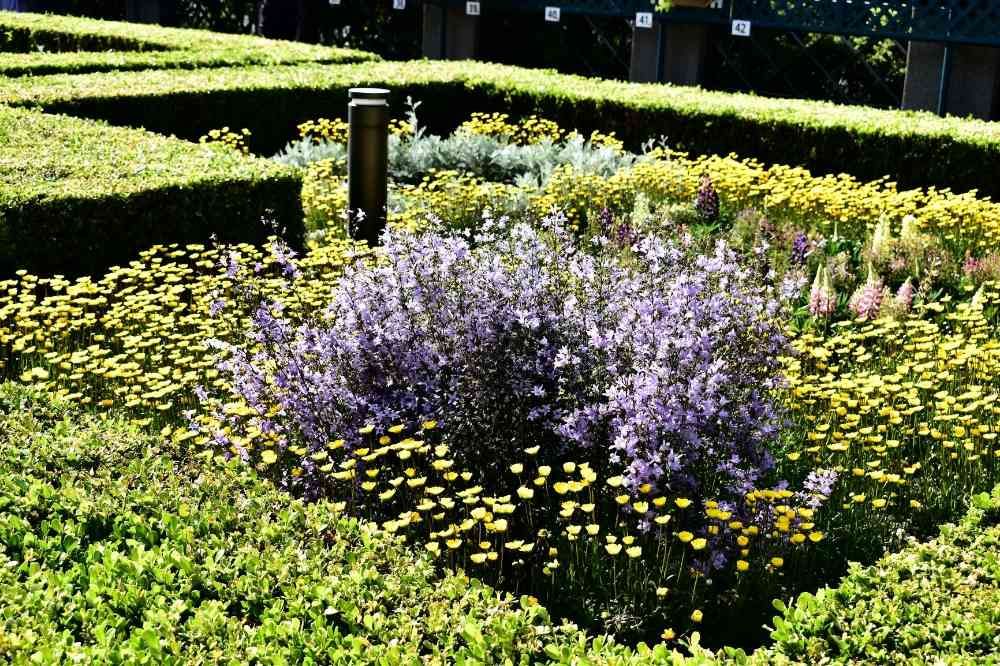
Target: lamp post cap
368, 93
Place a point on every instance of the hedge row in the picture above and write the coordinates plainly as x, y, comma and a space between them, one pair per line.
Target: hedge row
44, 44
935, 602
77, 196
916, 149
117, 547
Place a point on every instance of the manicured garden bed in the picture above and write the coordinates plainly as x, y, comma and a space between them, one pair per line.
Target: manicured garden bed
582, 401
913, 149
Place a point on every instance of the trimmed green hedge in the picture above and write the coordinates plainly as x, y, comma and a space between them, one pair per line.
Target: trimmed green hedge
935, 602
916, 149
45, 44
77, 196
117, 547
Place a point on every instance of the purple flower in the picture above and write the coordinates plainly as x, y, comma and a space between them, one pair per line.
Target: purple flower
216, 307
707, 201
800, 249
817, 487
660, 367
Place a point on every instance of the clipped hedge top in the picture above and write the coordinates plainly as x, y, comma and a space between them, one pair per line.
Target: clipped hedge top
44, 44
934, 602
44, 155
695, 104
118, 547
112, 551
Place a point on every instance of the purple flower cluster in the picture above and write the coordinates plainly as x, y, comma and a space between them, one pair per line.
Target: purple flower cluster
660, 368
707, 201
800, 249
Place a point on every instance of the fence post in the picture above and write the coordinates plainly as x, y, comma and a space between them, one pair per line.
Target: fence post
367, 162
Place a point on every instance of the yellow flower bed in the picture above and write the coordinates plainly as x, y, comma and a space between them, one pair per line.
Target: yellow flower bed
905, 410
826, 203
136, 339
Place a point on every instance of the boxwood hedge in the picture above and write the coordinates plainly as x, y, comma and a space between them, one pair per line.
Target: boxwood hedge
77, 196
117, 547
915, 149
44, 44
121, 547
934, 602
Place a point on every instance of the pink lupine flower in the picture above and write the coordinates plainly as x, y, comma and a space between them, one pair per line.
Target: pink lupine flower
904, 296
822, 299
866, 302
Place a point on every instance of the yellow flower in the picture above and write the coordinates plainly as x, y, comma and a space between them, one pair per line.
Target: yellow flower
682, 502
668, 634
613, 548
634, 551
699, 543
685, 536
517, 468
777, 562
742, 565
696, 616
525, 493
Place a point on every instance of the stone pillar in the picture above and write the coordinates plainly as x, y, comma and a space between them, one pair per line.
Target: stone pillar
449, 33
669, 53
973, 79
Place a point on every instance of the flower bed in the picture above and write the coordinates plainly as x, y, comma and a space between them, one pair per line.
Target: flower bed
913, 149
585, 409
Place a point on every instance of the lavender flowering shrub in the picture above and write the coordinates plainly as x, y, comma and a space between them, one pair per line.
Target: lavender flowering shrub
660, 366
517, 393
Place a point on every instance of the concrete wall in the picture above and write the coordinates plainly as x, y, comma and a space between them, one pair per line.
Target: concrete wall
669, 53
973, 86
449, 33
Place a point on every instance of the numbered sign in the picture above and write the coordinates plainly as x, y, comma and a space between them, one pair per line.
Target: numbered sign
741, 28
553, 14
644, 19
399, 4
472, 8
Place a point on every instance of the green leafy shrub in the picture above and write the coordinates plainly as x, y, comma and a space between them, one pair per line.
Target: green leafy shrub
932, 602
912, 148
78, 196
113, 551
44, 43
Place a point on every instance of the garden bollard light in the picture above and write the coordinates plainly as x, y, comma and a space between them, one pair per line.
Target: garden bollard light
367, 163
